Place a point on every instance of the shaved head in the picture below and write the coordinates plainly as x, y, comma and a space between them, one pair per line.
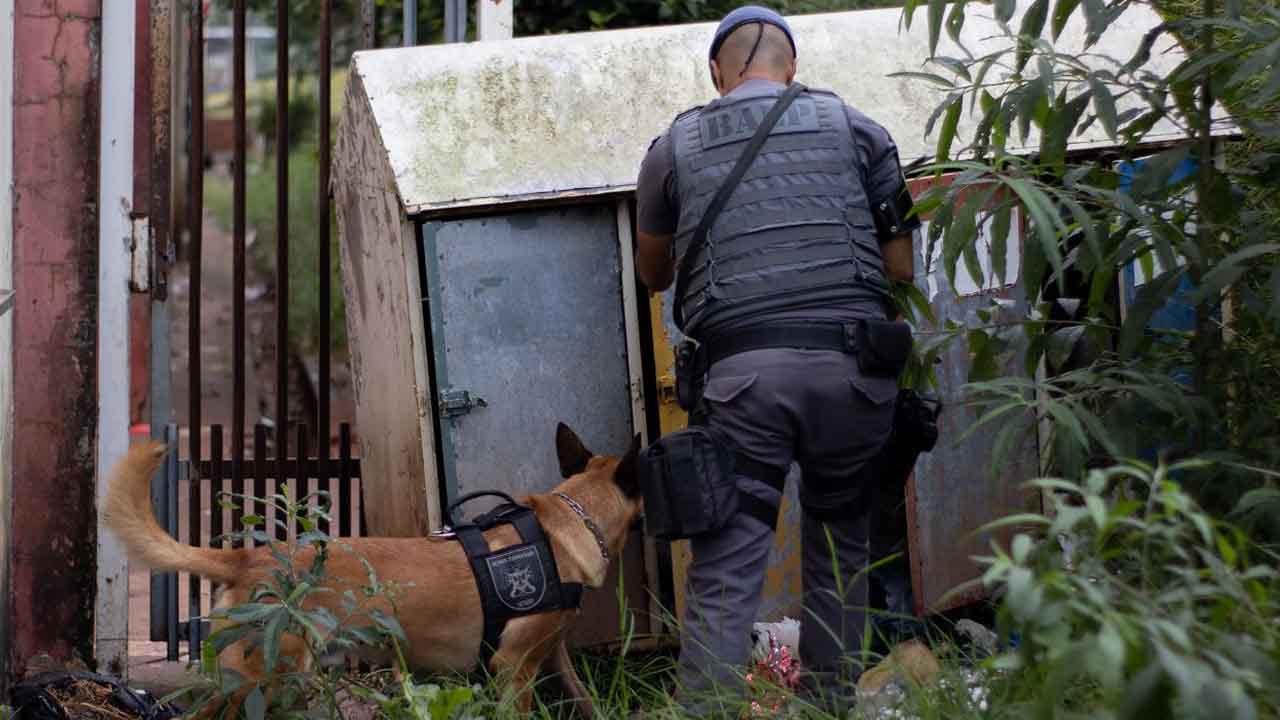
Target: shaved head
773, 58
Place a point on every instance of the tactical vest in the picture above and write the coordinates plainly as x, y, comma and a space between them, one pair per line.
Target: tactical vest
797, 233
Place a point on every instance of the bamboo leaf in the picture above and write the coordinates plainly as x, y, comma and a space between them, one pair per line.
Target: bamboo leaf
936, 114
948, 133
1097, 429
955, 20
920, 303
960, 234
1151, 297
930, 77
937, 9
1104, 104
956, 66
1228, 271
1061, 344
1005, 10
1061, 12
909, 11
1033, 21
970, 254
984, 67
1095, 16
1043, 221
1001, 224
1029, 99
1143, 53
1044, 65
1065, 420
1024, 519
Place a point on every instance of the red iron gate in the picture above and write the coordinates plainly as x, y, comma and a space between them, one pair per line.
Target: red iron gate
305, 463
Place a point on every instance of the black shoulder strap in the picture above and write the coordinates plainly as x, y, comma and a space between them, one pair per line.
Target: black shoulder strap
475, 546
702, 234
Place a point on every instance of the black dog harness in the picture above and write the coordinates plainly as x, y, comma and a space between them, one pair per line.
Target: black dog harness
518, 580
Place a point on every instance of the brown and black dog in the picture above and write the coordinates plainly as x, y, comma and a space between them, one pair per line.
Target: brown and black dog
436, 600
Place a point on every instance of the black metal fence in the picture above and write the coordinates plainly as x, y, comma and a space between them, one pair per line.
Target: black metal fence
286, 455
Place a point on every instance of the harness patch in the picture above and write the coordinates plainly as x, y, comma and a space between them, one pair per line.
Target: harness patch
518, 577
739, 122
517, 580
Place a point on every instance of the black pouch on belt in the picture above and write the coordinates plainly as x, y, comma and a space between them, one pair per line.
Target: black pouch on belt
687, 481
883, 346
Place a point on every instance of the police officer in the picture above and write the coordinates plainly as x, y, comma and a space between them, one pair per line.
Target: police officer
804, 248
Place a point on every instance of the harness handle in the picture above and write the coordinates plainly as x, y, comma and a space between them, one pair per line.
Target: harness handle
472, 496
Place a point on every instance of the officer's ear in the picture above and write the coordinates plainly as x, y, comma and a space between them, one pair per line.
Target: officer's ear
625, 474
570, 451
716, 76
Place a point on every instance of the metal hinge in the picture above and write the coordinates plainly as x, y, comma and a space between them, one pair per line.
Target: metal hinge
454, 403
666, 390
140, 254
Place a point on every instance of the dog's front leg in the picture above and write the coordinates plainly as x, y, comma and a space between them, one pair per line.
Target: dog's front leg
560, 664
516, 674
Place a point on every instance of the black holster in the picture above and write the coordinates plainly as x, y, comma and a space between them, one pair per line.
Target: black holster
915, 431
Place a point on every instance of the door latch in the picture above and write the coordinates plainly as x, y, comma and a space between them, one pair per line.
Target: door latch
455, 403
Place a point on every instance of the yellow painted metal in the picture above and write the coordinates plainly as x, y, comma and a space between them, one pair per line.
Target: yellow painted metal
670, 419
782, 582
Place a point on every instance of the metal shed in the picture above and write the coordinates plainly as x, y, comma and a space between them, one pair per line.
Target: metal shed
484, 203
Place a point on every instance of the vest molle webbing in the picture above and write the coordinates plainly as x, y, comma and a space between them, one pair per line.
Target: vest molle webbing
796, 233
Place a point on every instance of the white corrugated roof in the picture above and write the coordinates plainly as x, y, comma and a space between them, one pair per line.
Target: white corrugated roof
484, 123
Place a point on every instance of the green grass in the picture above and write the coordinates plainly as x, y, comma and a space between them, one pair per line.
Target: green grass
218, 105
304, 246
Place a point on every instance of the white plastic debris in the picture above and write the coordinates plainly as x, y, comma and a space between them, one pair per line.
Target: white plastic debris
785, 632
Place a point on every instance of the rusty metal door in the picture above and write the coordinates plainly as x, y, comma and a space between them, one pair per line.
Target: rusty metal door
955, 490
528, 329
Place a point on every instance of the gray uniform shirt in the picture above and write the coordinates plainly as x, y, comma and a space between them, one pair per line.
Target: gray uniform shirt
658, 209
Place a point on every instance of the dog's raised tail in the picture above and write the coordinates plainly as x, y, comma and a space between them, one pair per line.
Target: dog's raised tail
127, 512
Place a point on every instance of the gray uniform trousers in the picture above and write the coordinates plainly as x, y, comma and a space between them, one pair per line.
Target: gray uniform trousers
817, 408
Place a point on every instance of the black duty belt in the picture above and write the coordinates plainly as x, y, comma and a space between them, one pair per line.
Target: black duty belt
812, 336
518, 580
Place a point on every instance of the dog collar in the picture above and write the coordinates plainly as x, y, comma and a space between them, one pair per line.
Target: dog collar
586, 520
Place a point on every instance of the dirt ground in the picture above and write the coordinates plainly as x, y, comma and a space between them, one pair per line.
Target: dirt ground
148, 667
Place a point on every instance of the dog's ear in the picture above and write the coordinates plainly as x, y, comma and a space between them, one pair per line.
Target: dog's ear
625, 474
573, 455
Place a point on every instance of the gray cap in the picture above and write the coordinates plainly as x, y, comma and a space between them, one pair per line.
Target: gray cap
746, 15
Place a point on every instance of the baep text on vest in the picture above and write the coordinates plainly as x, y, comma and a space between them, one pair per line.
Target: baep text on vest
738, 123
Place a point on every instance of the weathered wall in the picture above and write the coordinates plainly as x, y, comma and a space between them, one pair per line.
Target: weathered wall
55, 270
6, 321
385, 326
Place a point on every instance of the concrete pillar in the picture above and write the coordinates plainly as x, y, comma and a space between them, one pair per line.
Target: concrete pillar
115, 237
55, 253
6, 325
495, 19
